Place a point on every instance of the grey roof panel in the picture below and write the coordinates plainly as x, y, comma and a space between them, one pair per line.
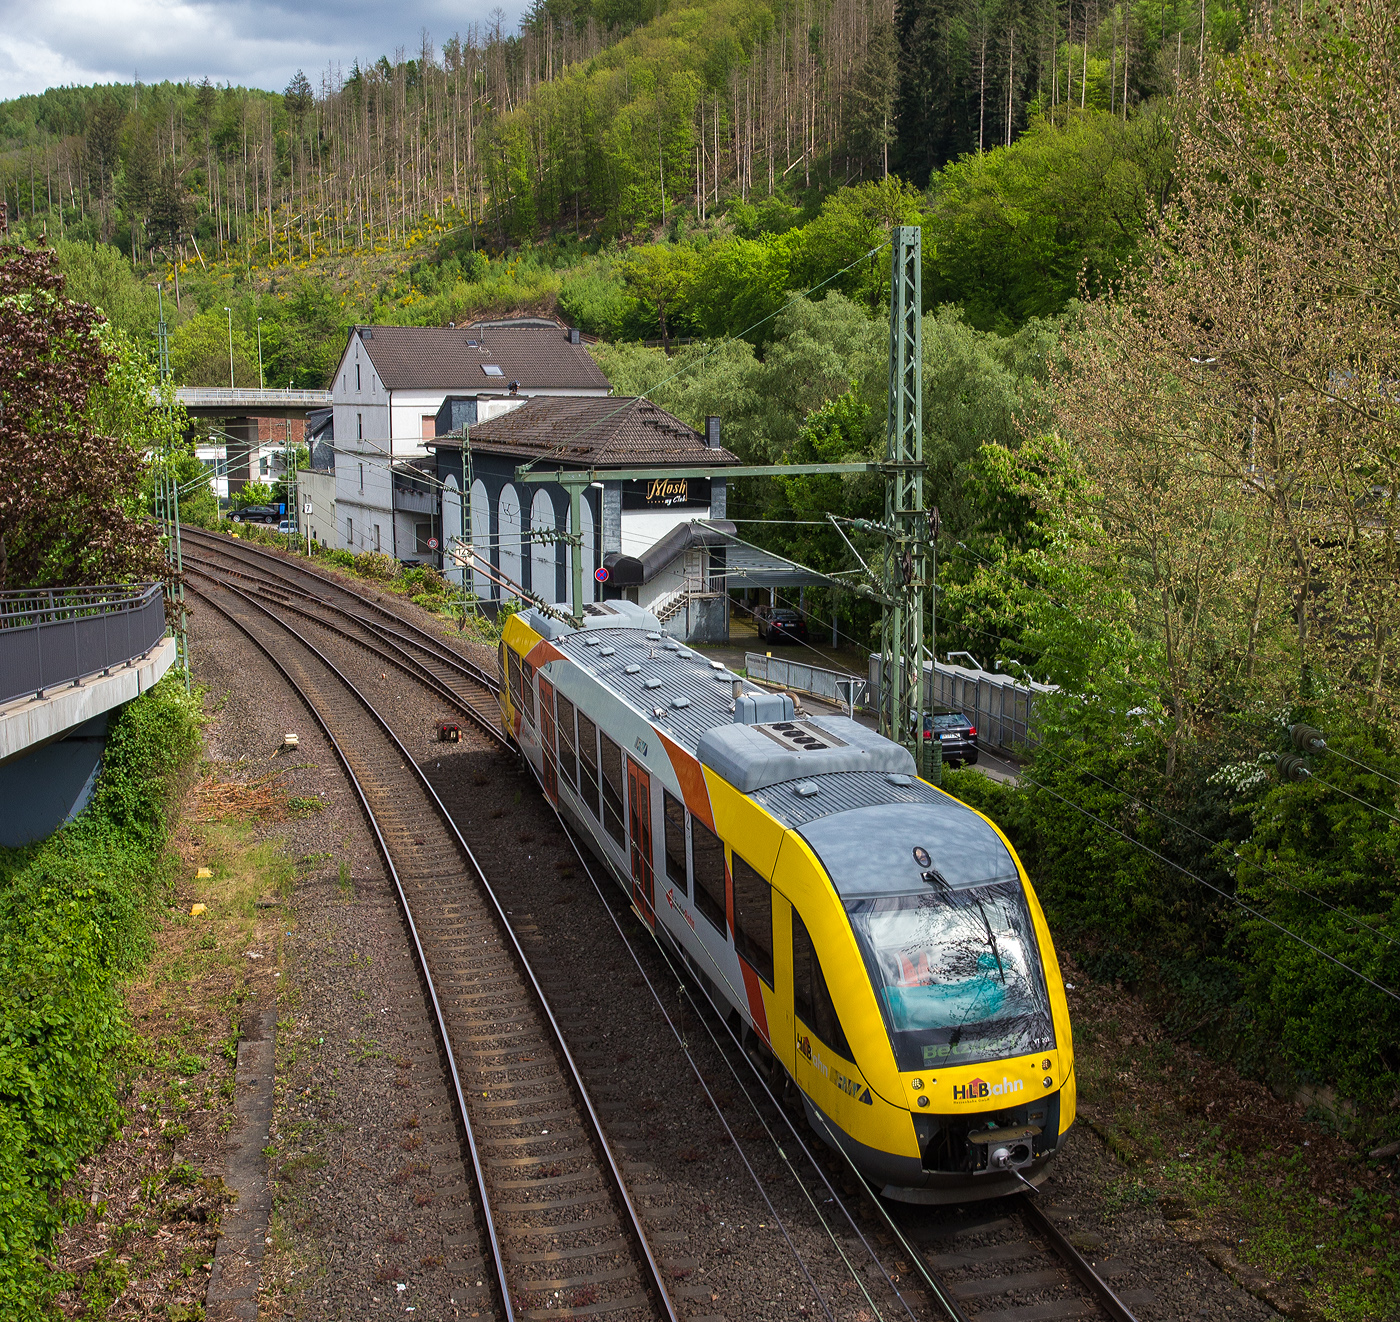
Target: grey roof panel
750, 760
842, 791
870, 850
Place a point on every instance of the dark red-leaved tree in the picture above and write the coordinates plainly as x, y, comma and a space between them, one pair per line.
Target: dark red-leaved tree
70, 511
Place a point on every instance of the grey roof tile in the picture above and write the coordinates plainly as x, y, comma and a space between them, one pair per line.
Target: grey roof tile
449, 358
615, 431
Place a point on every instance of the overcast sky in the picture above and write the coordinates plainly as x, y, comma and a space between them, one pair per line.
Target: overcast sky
258, 43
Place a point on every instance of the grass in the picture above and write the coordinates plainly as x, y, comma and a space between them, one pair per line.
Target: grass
186, 1005
1233, 1166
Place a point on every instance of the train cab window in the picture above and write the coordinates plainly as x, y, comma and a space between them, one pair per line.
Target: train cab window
611, 762
753, 918
527, 690
707, 852
503, 660
568, 760
675, 838
588, 762
514, 659
811, 998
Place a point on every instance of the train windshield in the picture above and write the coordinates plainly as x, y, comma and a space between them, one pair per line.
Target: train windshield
957, 972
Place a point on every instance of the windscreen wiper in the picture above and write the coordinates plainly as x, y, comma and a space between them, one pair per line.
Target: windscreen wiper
992, 941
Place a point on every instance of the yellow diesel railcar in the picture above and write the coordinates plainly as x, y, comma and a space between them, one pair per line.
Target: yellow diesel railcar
879, 939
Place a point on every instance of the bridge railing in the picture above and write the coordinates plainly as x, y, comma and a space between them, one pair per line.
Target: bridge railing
50, 637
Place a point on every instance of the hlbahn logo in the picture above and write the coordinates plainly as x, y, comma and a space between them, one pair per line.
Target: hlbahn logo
851, 1087
978, 1088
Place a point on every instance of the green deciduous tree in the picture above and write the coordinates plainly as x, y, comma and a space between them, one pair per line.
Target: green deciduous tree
70, 496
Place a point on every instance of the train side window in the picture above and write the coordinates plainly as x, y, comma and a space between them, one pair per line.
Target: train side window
588, 762
568, 762
675, 837
527, 689
753, 918
611, 762
707, 851
811, 998
514, 658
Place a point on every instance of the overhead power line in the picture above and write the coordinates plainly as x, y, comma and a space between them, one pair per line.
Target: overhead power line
1233, 899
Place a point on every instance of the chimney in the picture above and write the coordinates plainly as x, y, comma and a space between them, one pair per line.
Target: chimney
573, 335
712, 432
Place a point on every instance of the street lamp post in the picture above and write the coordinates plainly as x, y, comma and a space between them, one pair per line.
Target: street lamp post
262, 385
230, 347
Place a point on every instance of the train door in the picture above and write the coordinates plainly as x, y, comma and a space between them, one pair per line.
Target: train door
639, 819
547, 737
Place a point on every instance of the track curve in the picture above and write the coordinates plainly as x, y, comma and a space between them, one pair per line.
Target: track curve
542, 1163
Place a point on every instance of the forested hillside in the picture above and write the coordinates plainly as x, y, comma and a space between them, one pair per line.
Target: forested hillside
599, 119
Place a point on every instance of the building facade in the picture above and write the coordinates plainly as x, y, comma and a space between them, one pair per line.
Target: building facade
513, 527
389, 389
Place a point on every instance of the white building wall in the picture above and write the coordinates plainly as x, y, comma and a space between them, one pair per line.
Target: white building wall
318, 489
642, 529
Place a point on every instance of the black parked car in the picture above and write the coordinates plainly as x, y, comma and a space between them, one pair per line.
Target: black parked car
257, 514
780, 622
955, 732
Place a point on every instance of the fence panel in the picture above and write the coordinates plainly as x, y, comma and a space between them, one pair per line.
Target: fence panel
54, 637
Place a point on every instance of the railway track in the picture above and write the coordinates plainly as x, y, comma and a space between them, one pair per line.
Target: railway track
980, 1267
261, 571
557, 1227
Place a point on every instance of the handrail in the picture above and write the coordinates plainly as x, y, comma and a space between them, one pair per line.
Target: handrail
28, 606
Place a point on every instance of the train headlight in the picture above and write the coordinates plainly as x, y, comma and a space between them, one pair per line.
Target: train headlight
1048, 1081
916, 1084
1045, 1064
923, 1101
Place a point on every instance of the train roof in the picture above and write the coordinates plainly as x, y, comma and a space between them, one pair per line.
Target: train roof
753, 740
809, 772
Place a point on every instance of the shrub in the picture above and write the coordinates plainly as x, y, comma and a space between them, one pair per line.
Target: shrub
376, 565
73, 920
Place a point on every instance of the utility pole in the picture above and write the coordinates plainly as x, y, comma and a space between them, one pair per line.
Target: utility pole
167, 499
230, 347
907, 531
262, 385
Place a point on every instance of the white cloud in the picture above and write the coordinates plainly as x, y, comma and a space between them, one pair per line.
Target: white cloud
258, 43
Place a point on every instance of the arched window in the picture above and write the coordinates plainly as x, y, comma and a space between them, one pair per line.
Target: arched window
590, 550
482, 541
509, 548
544, 555
451, 529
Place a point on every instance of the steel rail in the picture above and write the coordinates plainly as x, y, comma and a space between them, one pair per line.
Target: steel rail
289, 571
438, 1016
1078, 1264
405, 662
595, 1123
276, 583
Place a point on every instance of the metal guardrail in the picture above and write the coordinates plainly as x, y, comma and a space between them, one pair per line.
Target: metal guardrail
835, 686
50, 637
250, 397
1001, 706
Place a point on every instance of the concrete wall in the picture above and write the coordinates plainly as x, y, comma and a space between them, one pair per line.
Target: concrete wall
319, 489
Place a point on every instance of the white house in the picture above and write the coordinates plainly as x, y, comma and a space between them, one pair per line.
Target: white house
391, 384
